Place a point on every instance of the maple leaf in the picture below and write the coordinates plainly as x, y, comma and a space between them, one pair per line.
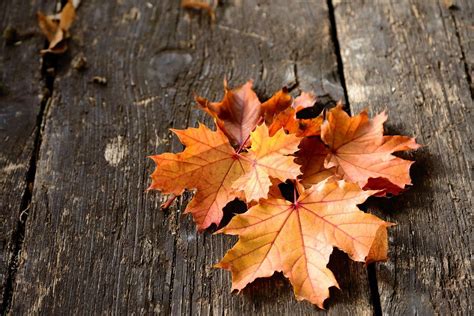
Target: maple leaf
311, 157
362, 154
237, 114
300, 127
269, 156
304, 100
288, 120
276, 104
298, 238
211, 166
208, 164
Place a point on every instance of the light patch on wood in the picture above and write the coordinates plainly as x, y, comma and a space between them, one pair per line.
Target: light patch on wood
249, 34
132, 15
146, 101
42, 293
115, 151
12, 167
164, 140
357, 93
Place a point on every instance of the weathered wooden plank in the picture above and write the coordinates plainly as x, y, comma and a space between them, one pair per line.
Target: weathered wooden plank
462, 14
405, 56
19, 107
95, 241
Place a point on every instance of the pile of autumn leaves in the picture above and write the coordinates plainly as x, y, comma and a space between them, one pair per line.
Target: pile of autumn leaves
334, 162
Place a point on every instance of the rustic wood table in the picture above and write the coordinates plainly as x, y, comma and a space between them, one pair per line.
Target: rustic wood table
78, 232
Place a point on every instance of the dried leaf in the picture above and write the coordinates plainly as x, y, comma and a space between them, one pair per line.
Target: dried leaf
237, 114
47, 26
209, 164
286, 118
311, 157
362, 154
298, 238
279, 102
269, 156
293, 125
218, 173
206, 5
304, 100
68, 14
55, 28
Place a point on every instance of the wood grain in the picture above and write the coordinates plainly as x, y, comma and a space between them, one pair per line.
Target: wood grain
20, 105
462, 16
95, 241
406, 57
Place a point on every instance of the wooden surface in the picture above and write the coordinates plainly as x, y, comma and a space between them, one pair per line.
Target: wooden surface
20, 104
96, 243
407, 58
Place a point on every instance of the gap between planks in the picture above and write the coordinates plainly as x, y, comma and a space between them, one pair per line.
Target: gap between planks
371, 271
463, 54
18, 235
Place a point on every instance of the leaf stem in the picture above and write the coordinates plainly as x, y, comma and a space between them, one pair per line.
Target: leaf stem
243, 144
260, 120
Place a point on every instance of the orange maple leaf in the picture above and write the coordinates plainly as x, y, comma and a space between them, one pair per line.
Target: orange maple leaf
211, 166
208, 164
304, 100
237, 114
362, 154
288, 120
293, 125
311, 157
269, 156
276, 104
298, 238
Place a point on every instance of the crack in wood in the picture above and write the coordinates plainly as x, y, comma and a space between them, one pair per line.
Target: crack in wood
371, 272
18, 235
463, 54
337, 51
374, 289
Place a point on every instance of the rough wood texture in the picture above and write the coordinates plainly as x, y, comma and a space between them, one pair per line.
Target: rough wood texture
462, 14
19, 107
95, 241
406, 57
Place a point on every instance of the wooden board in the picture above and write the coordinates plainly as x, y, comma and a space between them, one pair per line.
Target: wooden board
462, 16
20, 104
95, 241
406, 57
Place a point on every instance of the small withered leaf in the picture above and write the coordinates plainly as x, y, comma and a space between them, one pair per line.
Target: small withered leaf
55, 28
237, 114
208, 6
